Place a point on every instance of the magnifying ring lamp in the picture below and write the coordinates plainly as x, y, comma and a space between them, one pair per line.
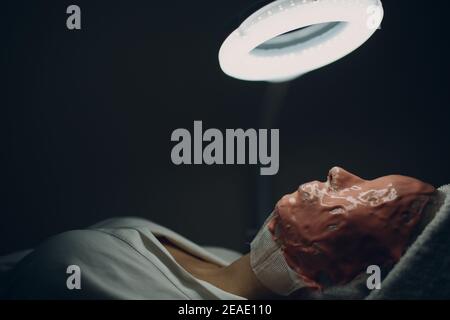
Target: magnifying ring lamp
288, 38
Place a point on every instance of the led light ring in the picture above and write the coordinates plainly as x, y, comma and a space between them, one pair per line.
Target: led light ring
265, 47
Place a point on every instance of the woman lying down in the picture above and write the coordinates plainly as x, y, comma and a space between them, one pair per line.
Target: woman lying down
317, 243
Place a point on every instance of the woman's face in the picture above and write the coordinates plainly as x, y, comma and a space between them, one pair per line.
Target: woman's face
338, 227
344, 192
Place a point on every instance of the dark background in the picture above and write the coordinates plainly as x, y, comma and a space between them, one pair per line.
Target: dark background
86, 116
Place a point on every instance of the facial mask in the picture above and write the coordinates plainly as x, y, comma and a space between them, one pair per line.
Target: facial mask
326, 233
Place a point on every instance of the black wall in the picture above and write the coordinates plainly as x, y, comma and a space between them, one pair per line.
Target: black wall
86, 116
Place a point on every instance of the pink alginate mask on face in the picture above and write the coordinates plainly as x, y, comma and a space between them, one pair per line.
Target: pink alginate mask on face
329, 232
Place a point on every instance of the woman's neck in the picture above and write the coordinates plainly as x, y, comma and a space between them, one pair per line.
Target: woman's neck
237, 278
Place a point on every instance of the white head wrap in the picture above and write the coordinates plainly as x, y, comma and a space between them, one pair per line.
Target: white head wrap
269, 265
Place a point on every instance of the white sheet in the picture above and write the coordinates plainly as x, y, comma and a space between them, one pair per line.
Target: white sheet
119, 259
